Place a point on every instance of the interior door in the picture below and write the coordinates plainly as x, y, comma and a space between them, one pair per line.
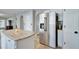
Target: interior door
71, 30
52, 29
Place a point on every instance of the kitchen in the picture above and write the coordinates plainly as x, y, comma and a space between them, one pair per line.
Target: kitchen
18, 25
45, 28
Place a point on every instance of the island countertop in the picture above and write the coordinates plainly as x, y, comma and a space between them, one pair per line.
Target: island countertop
17, 34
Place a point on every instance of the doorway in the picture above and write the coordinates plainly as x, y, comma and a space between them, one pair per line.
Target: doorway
43, 28
47, 29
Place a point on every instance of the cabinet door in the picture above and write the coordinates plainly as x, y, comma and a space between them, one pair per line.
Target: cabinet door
6, 42
10, 43
3, 41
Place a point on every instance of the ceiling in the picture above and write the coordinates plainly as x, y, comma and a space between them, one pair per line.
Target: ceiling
5, 13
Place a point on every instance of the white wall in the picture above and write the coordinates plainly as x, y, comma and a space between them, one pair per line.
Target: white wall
28, 21
2, 23
28, 18
18, 21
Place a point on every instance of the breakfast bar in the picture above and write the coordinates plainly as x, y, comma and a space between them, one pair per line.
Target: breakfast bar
17, 39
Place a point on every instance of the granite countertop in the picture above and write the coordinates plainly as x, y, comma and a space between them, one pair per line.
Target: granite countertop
17, 34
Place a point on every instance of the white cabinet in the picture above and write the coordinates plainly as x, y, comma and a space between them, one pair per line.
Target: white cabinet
10, 43
3, 41
7, 42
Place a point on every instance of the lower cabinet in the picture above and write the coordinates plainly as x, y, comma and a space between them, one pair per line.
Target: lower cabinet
11, 44
25, 43
7, 43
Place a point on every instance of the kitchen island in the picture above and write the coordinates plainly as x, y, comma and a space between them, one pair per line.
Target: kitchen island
18, 39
